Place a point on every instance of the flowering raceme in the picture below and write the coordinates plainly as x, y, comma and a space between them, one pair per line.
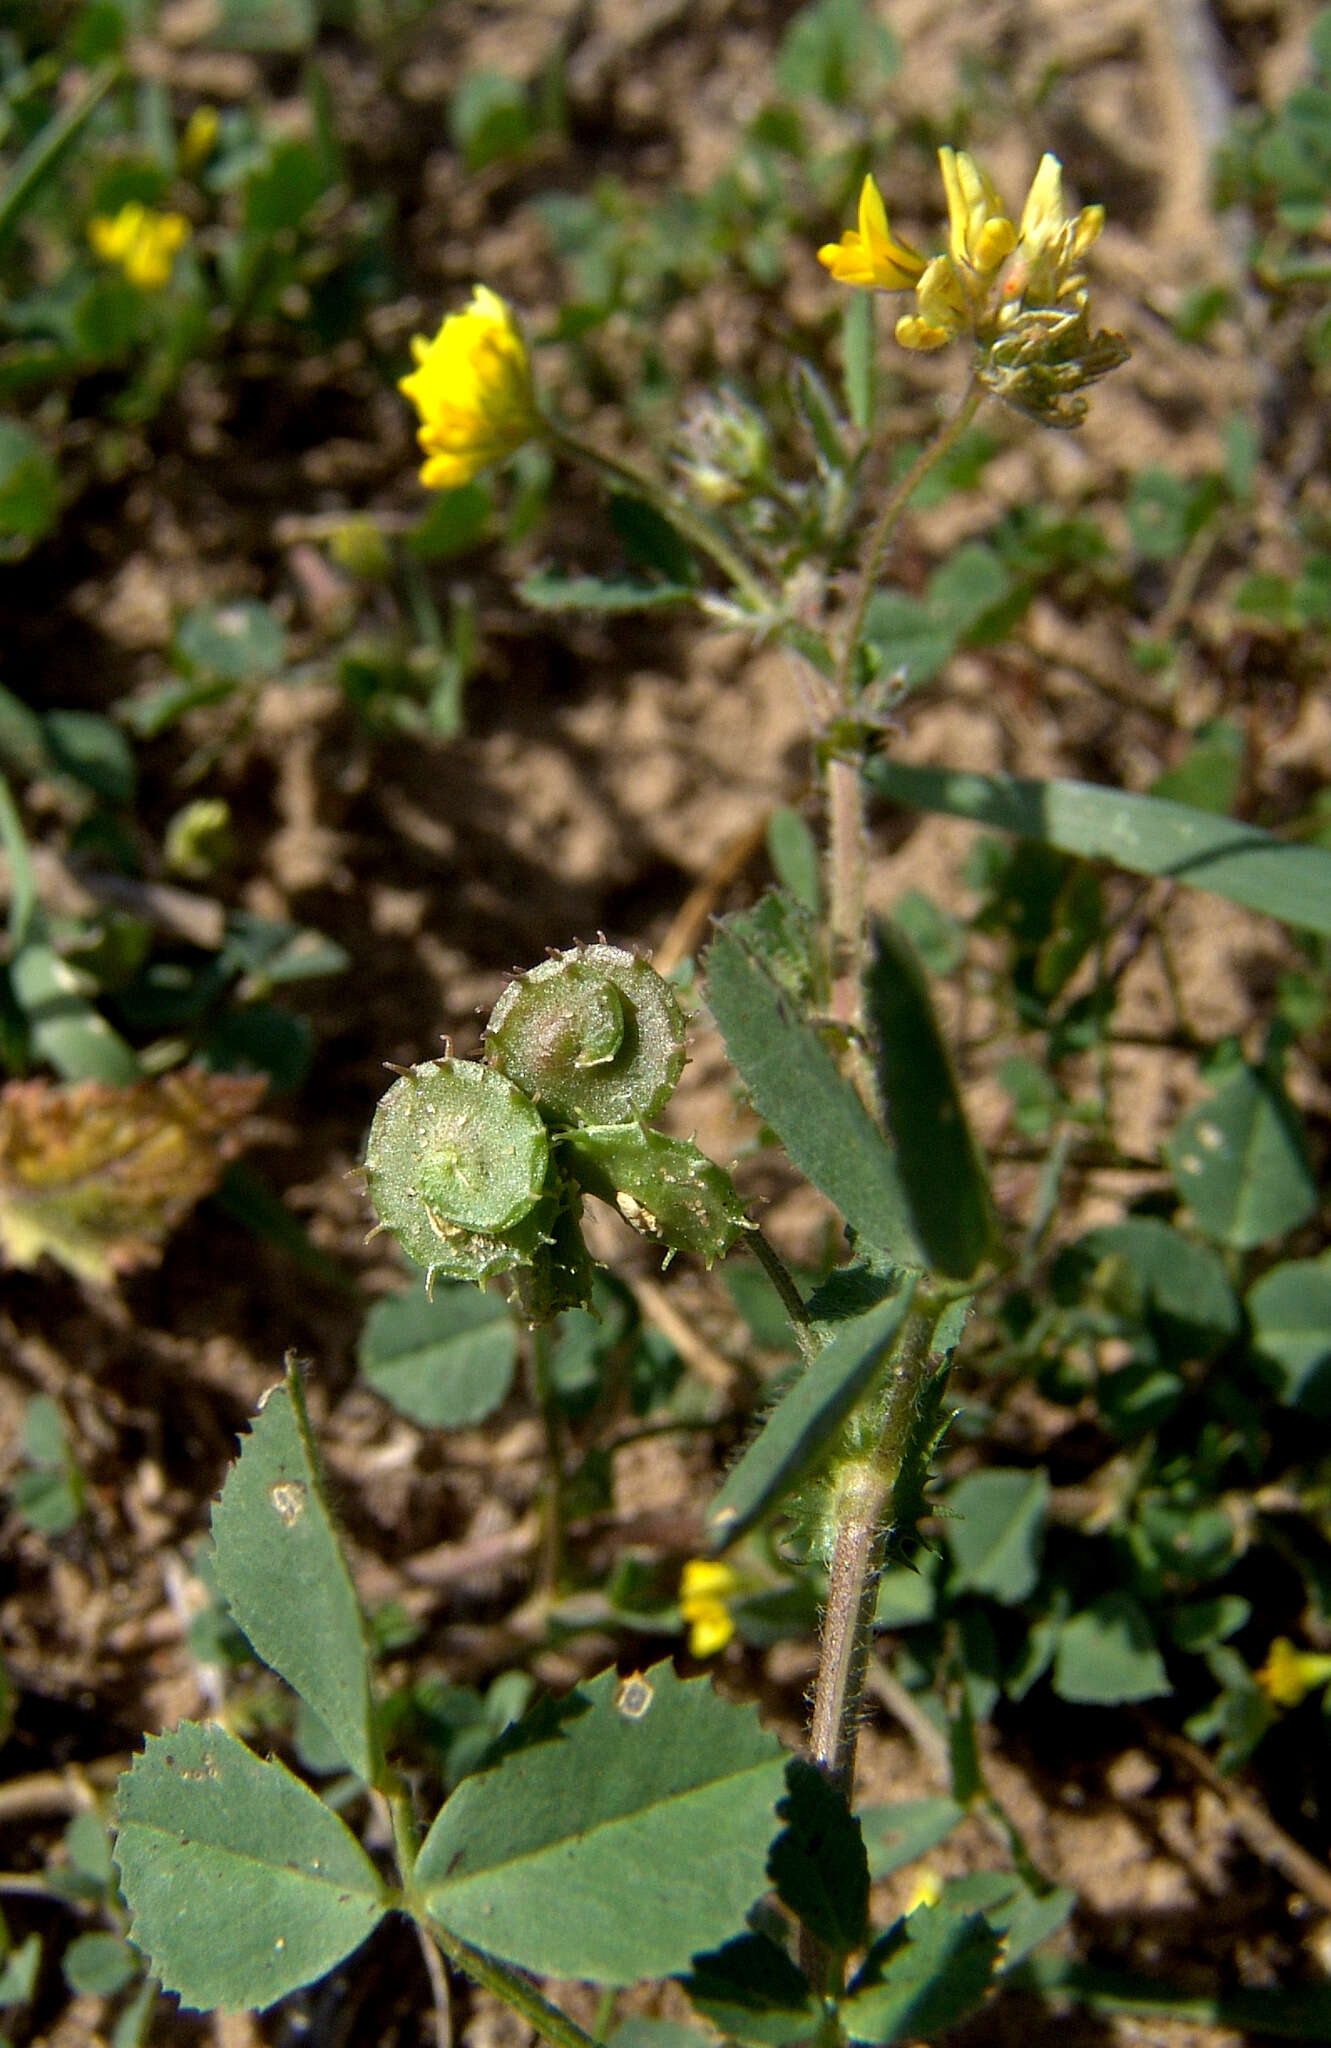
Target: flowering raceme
145, 244
472, 387
1018, 291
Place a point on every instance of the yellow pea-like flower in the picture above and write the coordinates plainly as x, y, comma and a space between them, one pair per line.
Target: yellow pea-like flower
143, 242
472, 387
706, 1588
1289, 1673
980, 234
870, 255
944, 308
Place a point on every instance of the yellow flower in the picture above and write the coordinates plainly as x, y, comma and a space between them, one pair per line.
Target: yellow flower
871, 256
472, 387
200, 138
706, 1588
1289, 1673
981, 235
945, 308
1049, 245
145, 244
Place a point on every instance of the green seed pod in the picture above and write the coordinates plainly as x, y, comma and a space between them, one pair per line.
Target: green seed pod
594, 1035
665, 1187
457, 1163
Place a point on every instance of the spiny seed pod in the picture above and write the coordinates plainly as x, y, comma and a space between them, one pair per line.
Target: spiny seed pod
457, 1163
665, 1187
594, 1035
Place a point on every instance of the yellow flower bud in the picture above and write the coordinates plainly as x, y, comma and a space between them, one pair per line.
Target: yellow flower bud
871, 256
145, 244
200, 138
472, 387
706, 1588
980, 234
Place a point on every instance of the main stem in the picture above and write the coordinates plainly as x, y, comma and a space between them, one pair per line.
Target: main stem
864, 1513
847, 839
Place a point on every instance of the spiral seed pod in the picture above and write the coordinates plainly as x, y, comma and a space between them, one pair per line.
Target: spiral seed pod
594, 1035
665, 1187
457, 1163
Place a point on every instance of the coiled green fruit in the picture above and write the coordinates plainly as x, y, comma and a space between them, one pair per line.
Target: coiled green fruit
457, 1165
594, 1035
665, 1187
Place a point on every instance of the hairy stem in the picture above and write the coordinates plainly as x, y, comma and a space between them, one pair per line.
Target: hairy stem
691, 524
885, 527
552, 1421
847, 829
864, 1514
792, 1301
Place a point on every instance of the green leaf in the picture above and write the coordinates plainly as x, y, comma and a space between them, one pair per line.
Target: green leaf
651, 1790
1240, 1164
793, 852
859, 347
998, 1533
754, 1994
93, 751
1023, 1917
815, 1112
231, 642
242, 1884
837, 51
905, 638
446, 1363
1180, 1289
281, 1568
1211, 772
265, 25
29, 488
455, 521
818, 1863
18, 1972
65, 1028
651, 542
923, 1975
1290, 1309
548, 592
1107, 1656
1142, 834
805, 1419
936, 1157
901, 1833
489, 118
99, 1963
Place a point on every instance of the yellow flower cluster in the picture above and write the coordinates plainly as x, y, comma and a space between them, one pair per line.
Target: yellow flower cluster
143, 242
472, 388
960, 291
1289, 1673
706, 1589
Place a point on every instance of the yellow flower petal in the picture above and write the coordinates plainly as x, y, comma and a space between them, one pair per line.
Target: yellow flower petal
980, 233
1043, 215
1289, 1673
145, 244
472, 387
705, 1588
870, 255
